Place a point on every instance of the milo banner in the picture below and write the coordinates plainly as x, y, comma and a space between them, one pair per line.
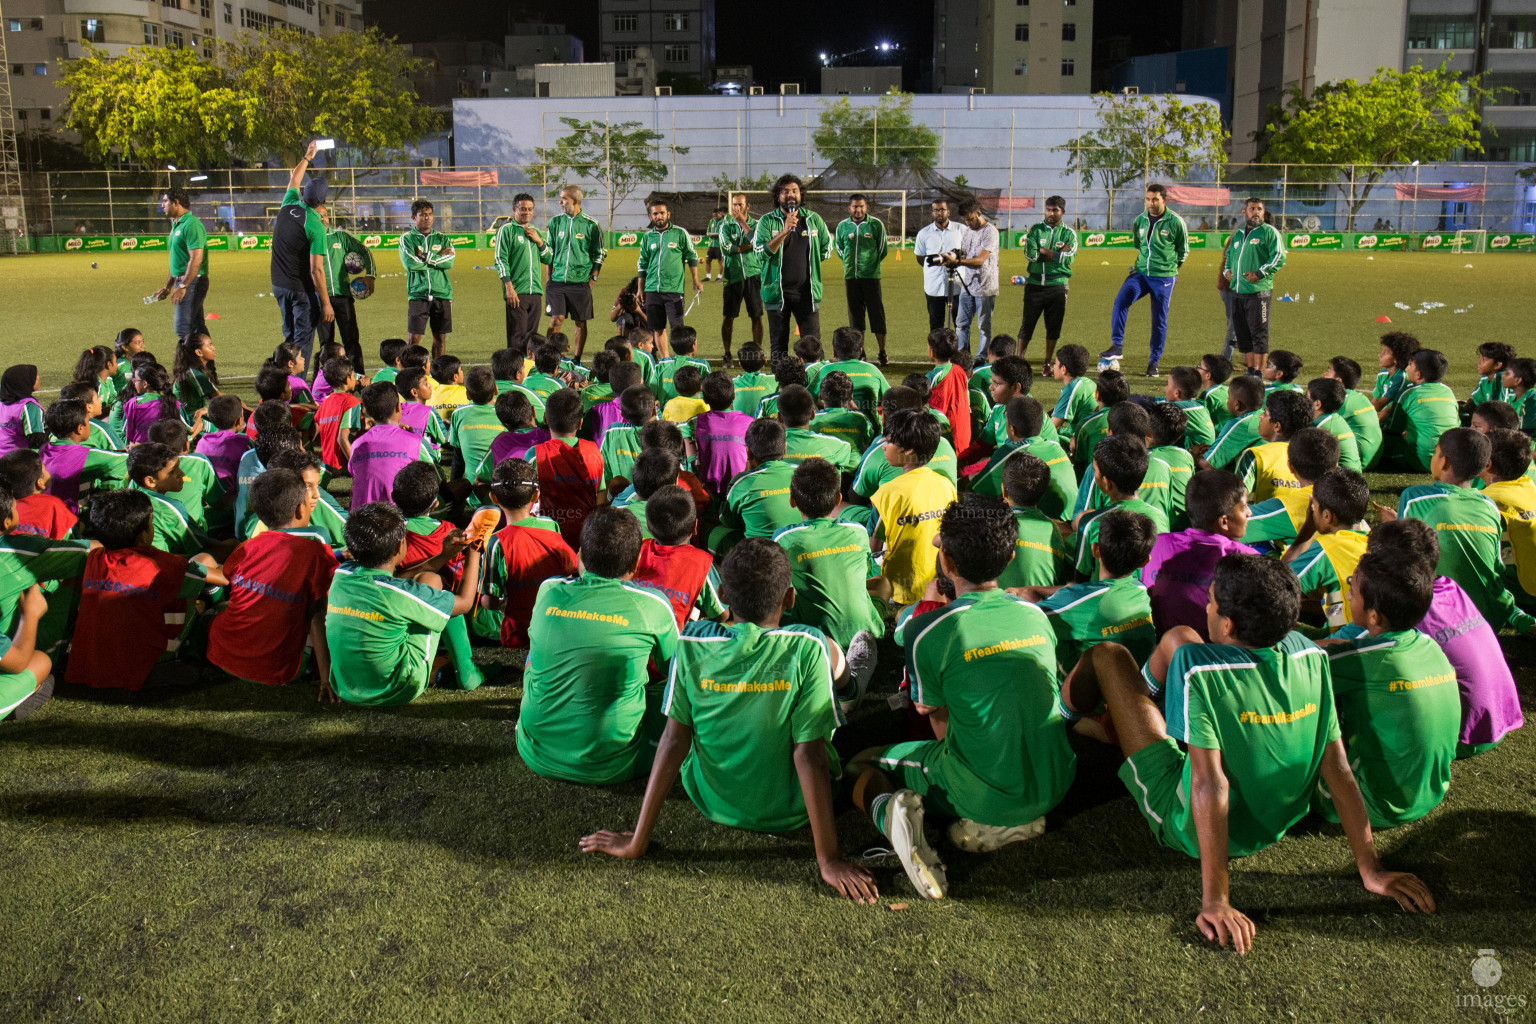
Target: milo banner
1380, 241
1315, 240
1198, 239
218, 242
254, 242
622, 239
1109, 240
1436, 241
88, 243
378, 241
140, 243
461, 241
1513, 243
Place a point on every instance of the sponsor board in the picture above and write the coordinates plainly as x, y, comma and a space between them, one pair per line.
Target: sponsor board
1315, 240
1382, 241
88, 243
1435, 241
218, 242
626, 240
255, 242
378, 241
1109, 240
141, 243
1513, 243
463, 241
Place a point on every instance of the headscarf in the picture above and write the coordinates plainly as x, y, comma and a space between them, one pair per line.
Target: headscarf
17, 383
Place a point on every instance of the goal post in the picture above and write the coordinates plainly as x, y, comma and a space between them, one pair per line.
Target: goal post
1470, 240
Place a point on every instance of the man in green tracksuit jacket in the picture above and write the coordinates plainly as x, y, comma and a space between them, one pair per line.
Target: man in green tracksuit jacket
740, 270
338, 245
791, 242
576, 255
664, 251
1050, 247
1162, 246
1249, 264
427, 256
860, 241
520, 256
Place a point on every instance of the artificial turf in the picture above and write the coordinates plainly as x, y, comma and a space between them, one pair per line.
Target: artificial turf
237, 852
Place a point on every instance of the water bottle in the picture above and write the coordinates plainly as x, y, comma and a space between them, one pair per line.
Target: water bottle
151, 298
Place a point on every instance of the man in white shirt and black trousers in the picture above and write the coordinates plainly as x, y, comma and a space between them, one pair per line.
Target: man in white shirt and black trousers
942, 236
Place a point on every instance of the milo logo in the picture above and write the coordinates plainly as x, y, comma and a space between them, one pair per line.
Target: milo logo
372, 241
74, 243
1433, 241
629, 238
695, 239
128, 243
1095, 239
1366, 242
249, 242
1498, 242
1300, 241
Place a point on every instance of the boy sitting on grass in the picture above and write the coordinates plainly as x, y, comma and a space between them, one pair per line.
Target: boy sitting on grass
414, 387
570, 468
752, 754
1397, 349
1166, 443
447, 386
797, 408
907, 510
1255, 709
588, 713
1077, 401
526, 551
74, 467
1011, 378
983, 671
621, 443
840, 417
474, 426
1493, 358
1025, 417
654, 469
1328, 547
1181, 565
1424, 410
1111, 390
1508, 485
1281, 368
227, 441
386, 448
1520, 380
875, 471
1328, 396
518, 434
327, 520
1215, 371
278, 581
28, 559
102, 434
757, 504
428, 549
685, 404
26, 679
545, 380
1119, 466
720, 434
338, 418
1272, 523
1245, 399
388, 626
752, 385
509, 372
669, 562
684, 341
1396, 697
1183, 390
1263, 466
155, 469
201, 494
1130, 419
25, 478
1040, 553
1357, 411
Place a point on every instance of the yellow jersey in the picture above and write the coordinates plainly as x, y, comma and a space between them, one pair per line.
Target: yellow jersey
908, 509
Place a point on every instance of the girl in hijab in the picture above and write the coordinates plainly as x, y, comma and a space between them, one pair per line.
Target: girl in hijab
21, 417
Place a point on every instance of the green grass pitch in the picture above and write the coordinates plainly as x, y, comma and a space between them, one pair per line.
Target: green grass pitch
243, 853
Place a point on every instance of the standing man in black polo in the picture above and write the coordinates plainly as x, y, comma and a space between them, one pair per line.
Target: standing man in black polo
792, 243
298, 260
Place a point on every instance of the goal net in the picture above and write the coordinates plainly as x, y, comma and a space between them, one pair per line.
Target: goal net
1470, 241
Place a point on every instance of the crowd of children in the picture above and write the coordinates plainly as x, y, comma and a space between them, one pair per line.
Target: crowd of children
696, 570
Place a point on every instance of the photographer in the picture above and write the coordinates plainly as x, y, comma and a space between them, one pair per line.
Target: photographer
933, 241
978, 276
792, 244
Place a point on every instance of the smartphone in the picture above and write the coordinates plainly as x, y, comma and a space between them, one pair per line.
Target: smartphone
325, 144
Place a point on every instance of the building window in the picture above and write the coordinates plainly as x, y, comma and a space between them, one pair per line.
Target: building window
1513, 32
92, 30
14, 24
46, 113
1070, 3
18, 69
1441, 32
1022, 3
1021, 67
1021, 32
229, 14
255, 19
36, 24
626, 22
1068, 68
675, 22
677, 53
205, 9
21, 115
208, 49
175, 38
151, 34
171, 3
40, 69
1068, 32
341, 20
621, 54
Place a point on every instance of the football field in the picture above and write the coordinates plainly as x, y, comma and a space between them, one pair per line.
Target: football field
243, 853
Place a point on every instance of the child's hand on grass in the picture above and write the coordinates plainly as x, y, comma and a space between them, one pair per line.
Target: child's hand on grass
1220, 921
615, 844
1387, 512
1411, 893
853, 882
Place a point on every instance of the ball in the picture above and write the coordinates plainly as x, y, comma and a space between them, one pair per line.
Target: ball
360, 289
93, 266
353, 263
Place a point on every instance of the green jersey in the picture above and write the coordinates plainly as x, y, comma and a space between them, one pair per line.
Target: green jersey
1162, 244
1389, 383
1269, 710
1199, 428
544, 385
830, 564
1156, 489
861, 245
849, 425
1077, 402
1215, 401
27, 559
1490, 388
666, 370
1050, 252
801, 443
520, 261
995, 430
620, 449
1004, 759
1326, 568
875, 470
472, 429
1236, 436
534, 399
812, 233
663, 255
869, 383
750, 695
1088, 531
1085, 615
757, 501
1400, 715
1181, 467
388, 628
104, 437
174, 530
585, 715
739, 266
1421, 414
1259, 251
1039, 554
338, 244
187, 236
1469, 526
427, 258
576, 250
1088, 434
200, 490
1364, 422
751, 388
1058, 497
195, 389
1349, 447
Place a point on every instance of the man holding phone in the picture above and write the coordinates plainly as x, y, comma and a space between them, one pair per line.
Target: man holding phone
298, 259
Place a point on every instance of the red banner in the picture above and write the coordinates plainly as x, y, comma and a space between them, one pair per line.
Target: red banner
1465, 194
458, 178
1189, 195
1015, 202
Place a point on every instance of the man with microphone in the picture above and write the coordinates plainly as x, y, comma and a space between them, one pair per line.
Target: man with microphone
520, 251
792, 243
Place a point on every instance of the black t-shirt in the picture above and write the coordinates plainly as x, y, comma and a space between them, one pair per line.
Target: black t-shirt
290, 250
795, 270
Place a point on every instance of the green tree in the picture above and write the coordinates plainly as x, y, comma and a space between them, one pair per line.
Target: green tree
616, 159
742, 183
872, 143
1142, 137
1350, 133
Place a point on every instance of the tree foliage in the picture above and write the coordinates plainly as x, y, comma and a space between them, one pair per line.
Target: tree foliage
872, 143
1144, 137
1351, 132
743, 183
614, 159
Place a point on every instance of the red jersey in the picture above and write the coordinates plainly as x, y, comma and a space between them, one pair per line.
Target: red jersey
328, 420
275, 580
680, 572
135, 605
951, 396
570, 475
519, 559
45, 516
428, 543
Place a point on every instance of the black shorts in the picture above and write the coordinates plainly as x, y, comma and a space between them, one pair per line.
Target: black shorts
423, 312
572, 300
749, 289
663, 309
712, 253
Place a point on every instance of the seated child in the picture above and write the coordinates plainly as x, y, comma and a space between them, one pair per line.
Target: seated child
1397, 349
1263, 467
840, 417
323, 388
1255, 707
751, 385
808, 350
1010, 378
687, 382
1115, 607
908, 508
654, 469
999, 346
137, 602
1245, 397
1131, 419
604, 415
1520, 380
1327, 547
224, 445
545, 380
73, 466
796, 409
387, 447
669, 562
26, 679
415, 388
474, 426
526, 551
720, 434
389, 626
1181, 566
1183, 390
1040, 552
1493, 358
327, 520
570, 468
874, 471
1424, 410
1119, 466
200, 491
757, 503
1111, 390
1167, 443
1357, 410
339, 417
1509, 486
869, 383
987, 680
1215, 371
756, 758
1395, 693
278, 581
621, 443
25, 478
1078, 400
155, 469
154, 401
447, 386
1025, 416
390, 351
949, 383
514, 412
289, 359
588, 713
683, 341
273, 385
1281, 368
1328, 395
28, 559
787, 372
103, 434
275, 436
1491, 416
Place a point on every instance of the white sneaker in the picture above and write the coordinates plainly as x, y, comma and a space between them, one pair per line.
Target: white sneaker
904, 827
974, 837
861, 666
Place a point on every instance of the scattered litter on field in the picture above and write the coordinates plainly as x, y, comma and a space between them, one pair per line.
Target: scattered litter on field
1311, 298
1402, 305
1458, 311
1370, 257
900, 906
1467, 266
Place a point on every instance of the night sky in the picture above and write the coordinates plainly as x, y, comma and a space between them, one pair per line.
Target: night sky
780, 40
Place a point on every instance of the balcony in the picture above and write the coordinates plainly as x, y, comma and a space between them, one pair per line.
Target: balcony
132, 8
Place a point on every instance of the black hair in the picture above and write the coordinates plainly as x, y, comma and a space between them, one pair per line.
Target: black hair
688, 380
1056, 201
754, 579
374, 533
637, 404
1344, 493
64, 417
1524, 371
670, 515
944, 346
1217, 366
1431, 365
504, 364
7, 506
417, 205
1025, 479
847, 344
1161, 190
751, 357
816, 487
185, 359
415, 356
610, 542
1466, 451
1327, 392
272, 384
546, 360
337, 371
1346, 370
514, 482
1498, 415
522, 197
789, 370
898, 398
444, 367
915, 431
1498, 351
298, 460
80, 391
1286, 363
390, 350
1014, 370
277, 439
171, 433
1169, 425
1509, 453
765, 440
1211, 494
1259, 595
380, 401
271, 415
1125, 541
1249, 392
623, 376
979, 536
1312, 452
836, 389
1400, 594
20, 470
684, 340
796, 406
1073, 359
918, 384
968, 206
784, 180
408, 380
563, 412
514, 410
124, 339
653, 468
808, 348
179, 196
119, 518
1002, 345
1187, 380
414, 491
157, 381
719, 393
1112, 387
666, 435
1289, 410
1122, 460
479, 385
276, 496
1410, 539
1402, 346
149, 459
1129, 419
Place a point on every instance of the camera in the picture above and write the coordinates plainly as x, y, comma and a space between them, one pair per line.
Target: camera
937, 258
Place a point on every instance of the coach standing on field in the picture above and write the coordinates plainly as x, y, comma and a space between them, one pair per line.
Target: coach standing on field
188, 247
1253, 255
298, 261
1050, 247
576, 255
740, 269
792, 243
665, 250
520, 253
1162, 246
860, 241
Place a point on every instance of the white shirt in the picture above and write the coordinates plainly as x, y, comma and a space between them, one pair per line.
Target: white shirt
981, 280
930, 242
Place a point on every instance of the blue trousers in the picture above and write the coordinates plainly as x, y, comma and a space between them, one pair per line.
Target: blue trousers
1136, 286
301, 316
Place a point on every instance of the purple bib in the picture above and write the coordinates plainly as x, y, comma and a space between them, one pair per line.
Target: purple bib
377, 458
721, 438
